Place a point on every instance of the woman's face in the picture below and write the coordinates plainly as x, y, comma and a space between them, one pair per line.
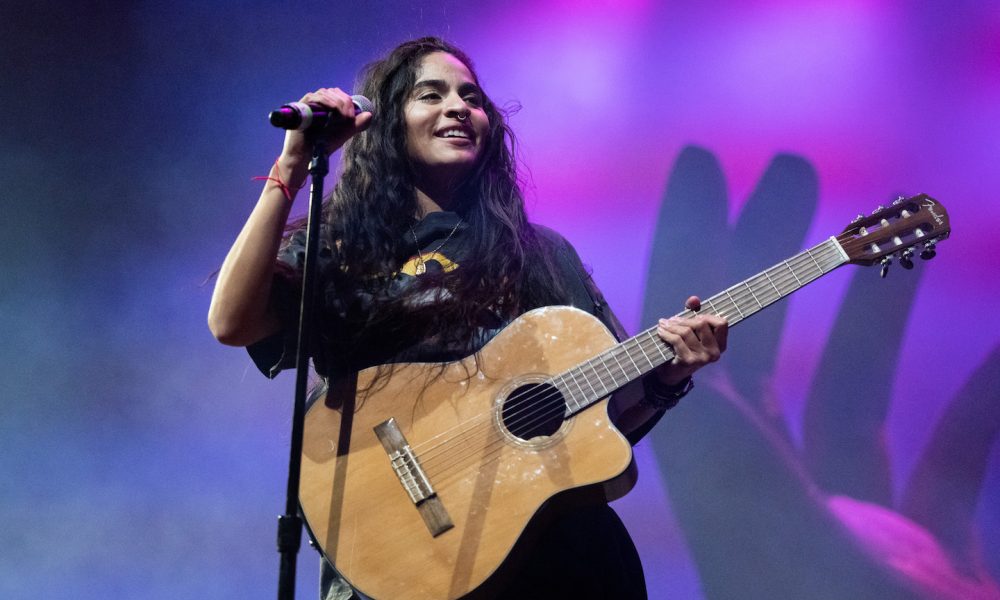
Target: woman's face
446, 126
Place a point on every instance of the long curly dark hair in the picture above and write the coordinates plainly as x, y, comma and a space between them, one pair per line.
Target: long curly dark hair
372, 208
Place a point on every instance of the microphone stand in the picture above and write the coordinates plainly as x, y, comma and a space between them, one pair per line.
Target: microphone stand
290, 524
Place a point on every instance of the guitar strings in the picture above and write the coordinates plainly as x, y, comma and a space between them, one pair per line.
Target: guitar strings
545, 414
744, 295
515, 418
550, 411
493, 447
611, 353
528, 416
520, 418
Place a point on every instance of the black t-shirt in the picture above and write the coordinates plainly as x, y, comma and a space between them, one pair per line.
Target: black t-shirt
442, 241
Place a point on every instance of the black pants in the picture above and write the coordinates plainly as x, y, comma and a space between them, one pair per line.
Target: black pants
585, 553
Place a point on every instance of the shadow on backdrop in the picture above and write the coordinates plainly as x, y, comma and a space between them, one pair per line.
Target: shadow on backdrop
763, 518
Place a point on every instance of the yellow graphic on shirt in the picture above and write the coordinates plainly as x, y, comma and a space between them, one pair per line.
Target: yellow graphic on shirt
411, 266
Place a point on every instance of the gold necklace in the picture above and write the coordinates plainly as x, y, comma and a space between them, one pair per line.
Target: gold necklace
421, 267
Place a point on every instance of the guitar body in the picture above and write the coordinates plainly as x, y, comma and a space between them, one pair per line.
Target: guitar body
496, 488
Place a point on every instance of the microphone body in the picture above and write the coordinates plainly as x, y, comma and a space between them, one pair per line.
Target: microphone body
301, 116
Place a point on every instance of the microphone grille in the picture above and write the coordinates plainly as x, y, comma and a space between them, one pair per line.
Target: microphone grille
363, 104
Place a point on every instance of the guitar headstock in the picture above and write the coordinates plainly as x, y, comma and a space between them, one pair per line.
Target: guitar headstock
907, 226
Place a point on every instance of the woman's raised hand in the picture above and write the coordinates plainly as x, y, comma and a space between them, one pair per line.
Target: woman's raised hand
344, 124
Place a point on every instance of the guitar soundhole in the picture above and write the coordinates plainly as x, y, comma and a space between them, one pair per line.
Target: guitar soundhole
533, 410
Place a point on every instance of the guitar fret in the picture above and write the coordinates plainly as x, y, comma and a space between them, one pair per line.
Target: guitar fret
809, 254
609, 376
593, 367
735, 305
622, 370
629, 355
568, 396
658, 344
777, 291
808, 266
646, 356
722, 310
614, 355
587, 380
711, 305
767, 291
762, 284
753, 295
792, 271
579, 387
833, 251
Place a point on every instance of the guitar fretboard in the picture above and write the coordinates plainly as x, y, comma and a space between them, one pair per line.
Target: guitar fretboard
598, 377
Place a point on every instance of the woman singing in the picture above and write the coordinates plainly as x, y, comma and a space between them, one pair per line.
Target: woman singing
426, 254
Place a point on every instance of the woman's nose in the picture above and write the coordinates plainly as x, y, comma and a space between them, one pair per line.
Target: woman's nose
457, 108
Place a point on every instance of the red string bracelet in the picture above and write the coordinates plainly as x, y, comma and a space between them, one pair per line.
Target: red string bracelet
285, 188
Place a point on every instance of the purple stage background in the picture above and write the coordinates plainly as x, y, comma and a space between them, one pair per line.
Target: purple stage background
142, 459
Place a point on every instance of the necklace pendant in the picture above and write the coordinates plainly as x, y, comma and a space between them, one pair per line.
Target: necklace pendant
420, 268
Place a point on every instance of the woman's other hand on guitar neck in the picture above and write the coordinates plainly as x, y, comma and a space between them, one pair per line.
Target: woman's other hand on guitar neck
697, 341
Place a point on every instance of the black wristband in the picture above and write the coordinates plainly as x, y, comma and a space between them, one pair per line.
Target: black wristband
660, 396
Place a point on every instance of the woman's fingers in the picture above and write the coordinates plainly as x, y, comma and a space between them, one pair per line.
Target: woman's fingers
344, 124
697, 340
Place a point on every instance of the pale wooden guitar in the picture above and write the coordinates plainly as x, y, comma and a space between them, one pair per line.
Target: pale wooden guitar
428, 484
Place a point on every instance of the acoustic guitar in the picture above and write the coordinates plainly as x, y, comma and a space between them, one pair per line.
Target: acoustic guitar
426, 483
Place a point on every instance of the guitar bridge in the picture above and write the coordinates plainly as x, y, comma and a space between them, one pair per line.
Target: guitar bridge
412, 477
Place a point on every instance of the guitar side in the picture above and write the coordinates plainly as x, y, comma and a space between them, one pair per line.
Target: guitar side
494, 487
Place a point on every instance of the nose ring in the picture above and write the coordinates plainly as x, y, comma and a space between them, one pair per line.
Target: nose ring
462, 117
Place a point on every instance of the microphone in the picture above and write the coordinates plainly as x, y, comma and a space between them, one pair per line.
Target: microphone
300, 116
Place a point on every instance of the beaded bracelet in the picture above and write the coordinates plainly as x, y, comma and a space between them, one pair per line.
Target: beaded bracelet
285, 188
660, 396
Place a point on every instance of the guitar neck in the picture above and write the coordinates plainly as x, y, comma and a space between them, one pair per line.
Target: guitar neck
594, 379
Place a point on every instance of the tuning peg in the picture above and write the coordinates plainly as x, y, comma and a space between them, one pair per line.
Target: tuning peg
906, 259
857, 218
885, 267
898, 200
878, 210
928, 252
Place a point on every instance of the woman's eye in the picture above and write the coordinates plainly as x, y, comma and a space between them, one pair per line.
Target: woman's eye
430, 97
474, 99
